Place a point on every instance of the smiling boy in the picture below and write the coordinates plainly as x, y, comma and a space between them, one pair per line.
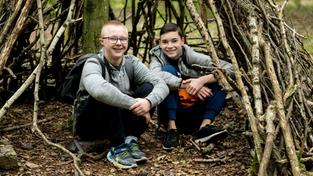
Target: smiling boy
195, 99
119, 106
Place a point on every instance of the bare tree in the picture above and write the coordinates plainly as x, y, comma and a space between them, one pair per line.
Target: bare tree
96, 12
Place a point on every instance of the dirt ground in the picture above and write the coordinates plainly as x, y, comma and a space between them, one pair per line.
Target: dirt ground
36, 158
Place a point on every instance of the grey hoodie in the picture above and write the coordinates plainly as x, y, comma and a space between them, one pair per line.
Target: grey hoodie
158, 60
117, 92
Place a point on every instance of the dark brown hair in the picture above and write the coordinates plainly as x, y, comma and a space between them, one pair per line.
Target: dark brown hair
171, 27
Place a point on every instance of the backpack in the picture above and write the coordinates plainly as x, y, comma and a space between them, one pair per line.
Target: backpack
185, 99
70, 85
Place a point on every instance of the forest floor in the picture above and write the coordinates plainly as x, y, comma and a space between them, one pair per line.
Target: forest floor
36, 158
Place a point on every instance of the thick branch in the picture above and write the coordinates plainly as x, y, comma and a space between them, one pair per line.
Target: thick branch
211, 49
5, 53
270, 116
246, 102
10, 21
255, 67
281, 113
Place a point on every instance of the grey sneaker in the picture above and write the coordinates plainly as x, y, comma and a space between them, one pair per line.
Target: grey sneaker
135, 152
210, 134
121, 157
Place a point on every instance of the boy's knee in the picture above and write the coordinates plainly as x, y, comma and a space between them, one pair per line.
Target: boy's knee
147, 88
143, 90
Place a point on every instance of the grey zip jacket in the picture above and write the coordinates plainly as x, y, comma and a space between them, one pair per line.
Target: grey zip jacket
158, 60
118, 92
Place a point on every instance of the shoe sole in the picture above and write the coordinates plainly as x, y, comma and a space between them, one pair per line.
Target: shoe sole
168, 148
141, 159
118, 165
214, 137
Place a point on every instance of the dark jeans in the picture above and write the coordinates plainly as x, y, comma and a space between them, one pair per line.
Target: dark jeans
189, 119
100, 121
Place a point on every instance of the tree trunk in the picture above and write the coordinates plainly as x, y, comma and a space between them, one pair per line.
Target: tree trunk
96, 12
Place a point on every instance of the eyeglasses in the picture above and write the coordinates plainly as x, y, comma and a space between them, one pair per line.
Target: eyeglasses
113, 40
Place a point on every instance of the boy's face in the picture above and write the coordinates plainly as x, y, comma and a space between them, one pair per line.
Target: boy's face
171, 44
114, 40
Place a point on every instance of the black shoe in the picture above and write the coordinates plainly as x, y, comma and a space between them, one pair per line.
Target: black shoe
171, 140
210, 134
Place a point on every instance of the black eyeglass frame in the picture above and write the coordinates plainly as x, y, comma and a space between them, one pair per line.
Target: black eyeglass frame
114, 39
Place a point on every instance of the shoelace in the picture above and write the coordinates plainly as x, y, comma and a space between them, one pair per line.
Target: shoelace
120, 149
134, 147
124, 154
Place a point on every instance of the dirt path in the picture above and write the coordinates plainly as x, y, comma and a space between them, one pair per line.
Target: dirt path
38, 159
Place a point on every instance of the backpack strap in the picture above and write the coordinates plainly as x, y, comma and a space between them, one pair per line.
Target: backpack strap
129, 68
102, 63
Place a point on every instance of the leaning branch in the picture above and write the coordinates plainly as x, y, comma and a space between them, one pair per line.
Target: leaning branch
270, 116
246, 101
211, 49
18, 93
258, 106
36, 95
290, 148
10, 21
8, 45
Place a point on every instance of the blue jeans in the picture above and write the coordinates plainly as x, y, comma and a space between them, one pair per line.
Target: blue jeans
189, 119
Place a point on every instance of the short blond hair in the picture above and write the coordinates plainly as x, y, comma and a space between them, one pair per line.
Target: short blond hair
112, 23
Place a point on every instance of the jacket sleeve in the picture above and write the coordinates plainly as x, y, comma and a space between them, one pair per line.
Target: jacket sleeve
172, 81
100, 89
205, 60
228, 67
142, 74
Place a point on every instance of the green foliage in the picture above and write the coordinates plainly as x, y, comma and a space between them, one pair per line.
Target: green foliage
308, 43
302, 7
254, 167
51, 3
119, 4
299, 16
299, 156
299, 153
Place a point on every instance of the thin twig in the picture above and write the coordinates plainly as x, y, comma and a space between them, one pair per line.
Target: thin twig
23, 126
195, 144
214, 160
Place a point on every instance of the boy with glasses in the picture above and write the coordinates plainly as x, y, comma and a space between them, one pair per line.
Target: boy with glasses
195, 99
120, 104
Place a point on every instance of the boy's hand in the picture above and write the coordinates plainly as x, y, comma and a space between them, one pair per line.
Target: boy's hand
184, 84
141, 107
204, 93
194, 86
